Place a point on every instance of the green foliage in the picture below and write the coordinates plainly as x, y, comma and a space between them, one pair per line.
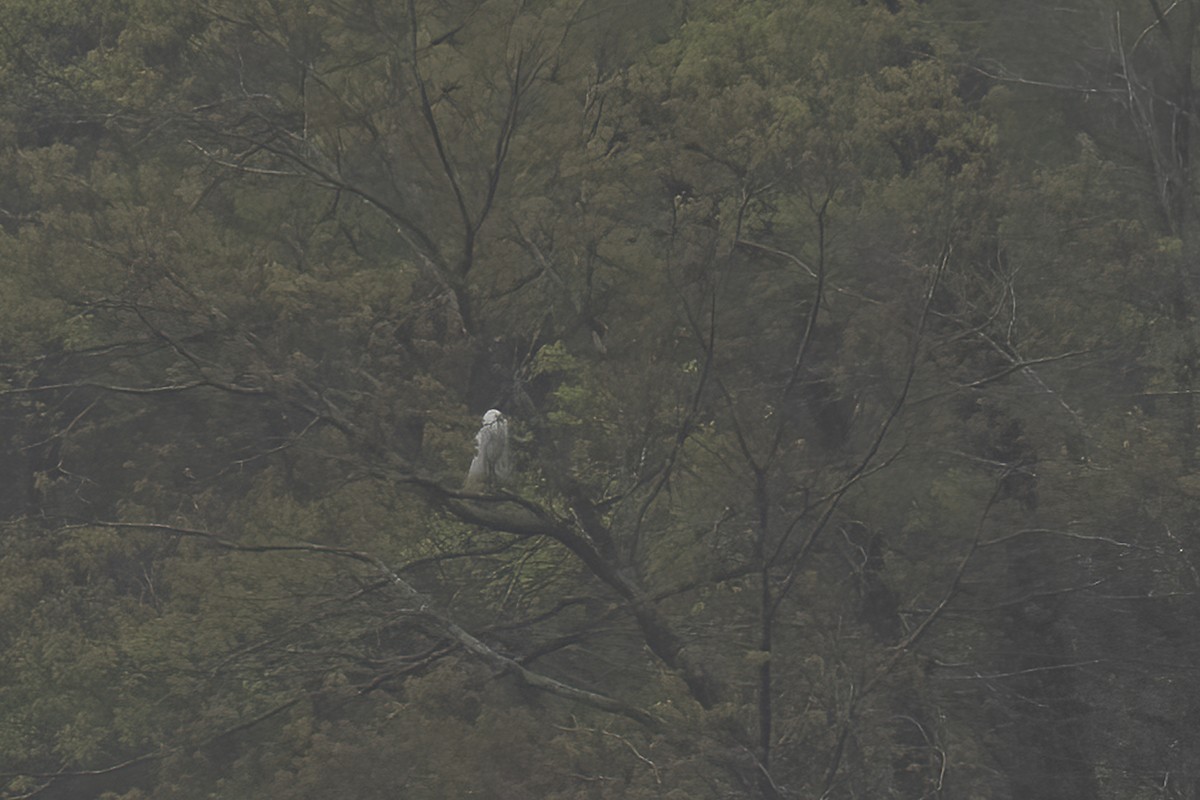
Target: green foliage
849, 354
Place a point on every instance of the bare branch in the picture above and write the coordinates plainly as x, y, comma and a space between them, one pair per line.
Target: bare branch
1022, 364
424, 605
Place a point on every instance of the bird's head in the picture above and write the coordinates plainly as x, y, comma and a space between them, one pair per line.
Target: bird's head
492, 415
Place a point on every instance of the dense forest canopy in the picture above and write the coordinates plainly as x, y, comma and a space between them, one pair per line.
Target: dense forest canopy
848, 351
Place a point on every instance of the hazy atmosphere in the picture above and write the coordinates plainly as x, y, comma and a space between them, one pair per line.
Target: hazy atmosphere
599, 399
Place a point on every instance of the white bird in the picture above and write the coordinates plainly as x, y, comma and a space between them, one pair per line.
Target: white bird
491, 466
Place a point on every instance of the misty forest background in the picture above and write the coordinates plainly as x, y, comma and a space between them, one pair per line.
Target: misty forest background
851, 351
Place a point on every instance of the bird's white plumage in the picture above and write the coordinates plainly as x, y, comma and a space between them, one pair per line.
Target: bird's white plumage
491, 467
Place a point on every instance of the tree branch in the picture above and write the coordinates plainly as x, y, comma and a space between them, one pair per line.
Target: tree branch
503, 664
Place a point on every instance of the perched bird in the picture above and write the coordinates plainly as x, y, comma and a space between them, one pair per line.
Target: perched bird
491, 467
